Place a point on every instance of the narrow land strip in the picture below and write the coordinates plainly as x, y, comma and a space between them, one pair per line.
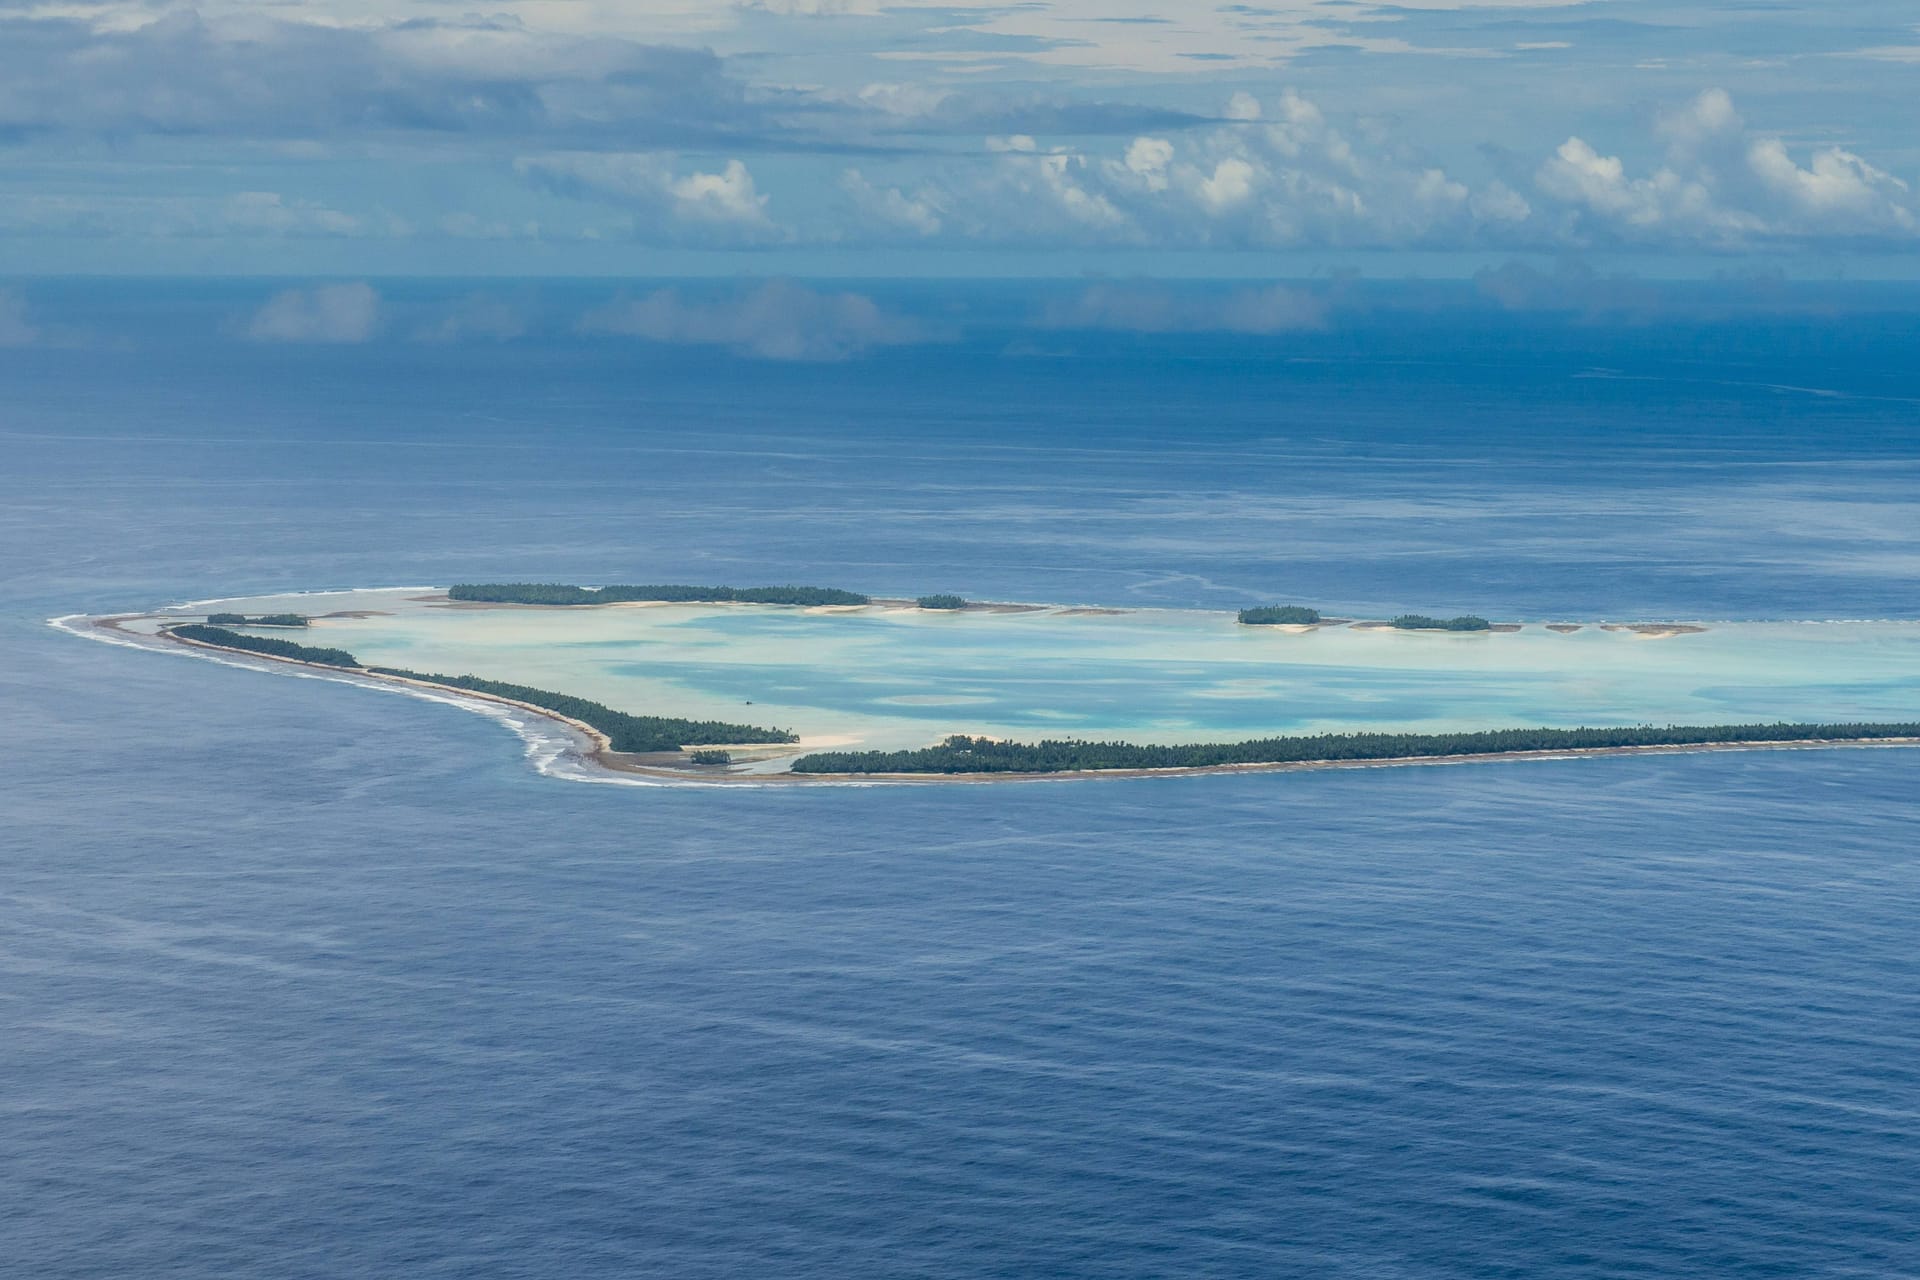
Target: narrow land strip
963, 759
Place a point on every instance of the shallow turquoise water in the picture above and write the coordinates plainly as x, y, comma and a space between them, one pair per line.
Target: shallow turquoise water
889, 677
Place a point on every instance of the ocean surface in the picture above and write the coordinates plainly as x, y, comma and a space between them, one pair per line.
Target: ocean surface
299, 980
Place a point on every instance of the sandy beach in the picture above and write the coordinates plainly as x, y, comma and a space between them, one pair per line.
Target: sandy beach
593, 749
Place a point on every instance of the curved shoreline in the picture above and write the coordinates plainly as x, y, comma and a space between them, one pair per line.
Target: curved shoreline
594, 750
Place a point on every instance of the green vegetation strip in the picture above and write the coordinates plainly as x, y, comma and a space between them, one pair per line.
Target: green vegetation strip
626, 732
225, 639
962, 754
1421, 622
942, 600
1280, 615
558, 593
264, 620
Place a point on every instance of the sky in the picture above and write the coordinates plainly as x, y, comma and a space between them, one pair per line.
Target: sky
864, 138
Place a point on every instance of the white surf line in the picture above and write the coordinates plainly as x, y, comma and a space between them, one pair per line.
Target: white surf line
553, 748
278, 595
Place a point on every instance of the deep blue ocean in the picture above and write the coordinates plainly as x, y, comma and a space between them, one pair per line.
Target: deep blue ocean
302, 980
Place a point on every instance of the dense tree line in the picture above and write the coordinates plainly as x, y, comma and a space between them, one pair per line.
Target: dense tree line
226, 639
264, 620
1421, 622
626, 732
1276, 615
559, 593
942, 600
962, 754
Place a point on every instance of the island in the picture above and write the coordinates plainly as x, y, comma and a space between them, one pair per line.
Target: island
1421, 622
264, 620
1280, 615
961, 754
657, 692
625, 733
222, 638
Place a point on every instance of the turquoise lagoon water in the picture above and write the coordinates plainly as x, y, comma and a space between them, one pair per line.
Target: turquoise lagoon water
888, 676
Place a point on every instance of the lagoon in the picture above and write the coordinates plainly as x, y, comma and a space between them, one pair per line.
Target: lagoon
890, 676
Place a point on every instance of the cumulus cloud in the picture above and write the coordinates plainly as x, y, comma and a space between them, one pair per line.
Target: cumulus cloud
1057, 196
1231, 182
1243, 106
1601, 198
1281, 174
1837, 188
1148, 158
1723, 185
780, 320
891, 208
1149, 309
728, 196
722, 205
16, 327
334, 313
